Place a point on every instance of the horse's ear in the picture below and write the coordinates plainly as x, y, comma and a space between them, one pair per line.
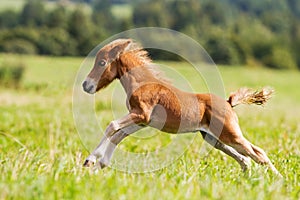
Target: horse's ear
115, 52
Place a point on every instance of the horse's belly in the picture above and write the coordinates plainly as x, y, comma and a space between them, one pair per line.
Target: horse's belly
174, 122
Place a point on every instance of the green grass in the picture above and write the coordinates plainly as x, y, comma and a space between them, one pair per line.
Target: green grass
41, 154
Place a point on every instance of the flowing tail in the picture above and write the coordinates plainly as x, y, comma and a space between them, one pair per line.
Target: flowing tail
249, 96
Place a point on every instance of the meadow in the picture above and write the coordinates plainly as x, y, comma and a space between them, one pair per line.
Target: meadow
41, 154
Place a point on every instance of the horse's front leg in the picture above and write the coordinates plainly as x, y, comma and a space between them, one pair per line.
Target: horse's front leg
114, 126
114, 141
97, 153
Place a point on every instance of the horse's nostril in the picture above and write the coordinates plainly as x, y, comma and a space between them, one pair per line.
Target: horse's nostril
90, 88
84, 84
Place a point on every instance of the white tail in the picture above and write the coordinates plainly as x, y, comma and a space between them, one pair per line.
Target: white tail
249, 96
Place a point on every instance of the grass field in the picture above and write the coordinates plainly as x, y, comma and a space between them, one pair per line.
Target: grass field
41, 154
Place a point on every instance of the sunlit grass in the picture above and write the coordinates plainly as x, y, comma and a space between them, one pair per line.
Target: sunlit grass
41, 154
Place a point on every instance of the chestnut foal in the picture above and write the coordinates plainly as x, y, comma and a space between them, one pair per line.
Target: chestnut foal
151, 101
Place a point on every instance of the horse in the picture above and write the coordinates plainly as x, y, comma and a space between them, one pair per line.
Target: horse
153, 101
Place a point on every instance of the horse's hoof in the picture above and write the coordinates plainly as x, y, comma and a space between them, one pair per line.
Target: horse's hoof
102, 165
88, 163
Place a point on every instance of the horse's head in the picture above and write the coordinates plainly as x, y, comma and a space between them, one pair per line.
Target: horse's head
105, 66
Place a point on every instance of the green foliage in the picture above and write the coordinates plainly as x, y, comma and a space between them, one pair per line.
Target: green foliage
294, 6
33, 13
214, 11
9, 19
151, 15
247, 30
80, 29
29, 34
222, 50
102, 9
280, 58
11, 75
56, 42
183, 13
19, 46
57, 18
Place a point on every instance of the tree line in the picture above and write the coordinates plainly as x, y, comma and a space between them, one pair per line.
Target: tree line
234, 32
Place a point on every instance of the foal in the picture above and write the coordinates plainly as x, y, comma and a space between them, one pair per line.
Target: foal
154, 102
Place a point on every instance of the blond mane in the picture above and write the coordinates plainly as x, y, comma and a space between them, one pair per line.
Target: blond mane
142, 57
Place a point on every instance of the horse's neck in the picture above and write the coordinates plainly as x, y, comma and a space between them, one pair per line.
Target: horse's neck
133, 78
133, 71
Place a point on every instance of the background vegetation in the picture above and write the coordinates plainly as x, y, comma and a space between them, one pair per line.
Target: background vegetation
41, 154
232, 31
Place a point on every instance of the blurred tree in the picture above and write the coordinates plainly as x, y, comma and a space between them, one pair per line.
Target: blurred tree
222, 51
56, 42
33, 13
80, 28
232, 31
242, 5
213, 10
294, 6
295, 40
152, 14
102, 15
261, 49
9, 19
57, 18
239, 51
28, 34
184, 13
277, 21
19, 46
280, 58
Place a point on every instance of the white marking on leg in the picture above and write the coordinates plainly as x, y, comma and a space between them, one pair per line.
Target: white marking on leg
100, 150
115, 140
105, 160
92, 158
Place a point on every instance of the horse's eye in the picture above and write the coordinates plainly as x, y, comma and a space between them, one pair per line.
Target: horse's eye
102, 63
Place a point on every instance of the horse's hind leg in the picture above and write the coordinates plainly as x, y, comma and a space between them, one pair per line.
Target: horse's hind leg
242, 160
232, 136
244, 147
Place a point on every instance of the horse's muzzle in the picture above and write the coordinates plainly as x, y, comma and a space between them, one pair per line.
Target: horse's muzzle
89, 87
